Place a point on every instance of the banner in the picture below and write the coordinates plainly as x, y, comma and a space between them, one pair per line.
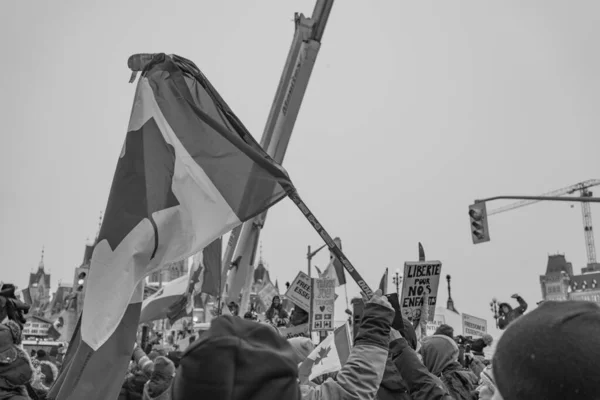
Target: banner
266, 295
295, 331
322, 299
419, 277
473, 326
299, 291
438, 320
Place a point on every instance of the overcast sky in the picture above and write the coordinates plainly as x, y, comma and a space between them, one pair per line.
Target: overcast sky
414, 110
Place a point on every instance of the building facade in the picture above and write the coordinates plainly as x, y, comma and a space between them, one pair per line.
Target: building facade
36, 328
37, 293
559, 283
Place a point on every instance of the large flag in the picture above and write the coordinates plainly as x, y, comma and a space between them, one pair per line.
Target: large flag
204, 275
329, 356
335, 269
189, 172
158, 305
383, 283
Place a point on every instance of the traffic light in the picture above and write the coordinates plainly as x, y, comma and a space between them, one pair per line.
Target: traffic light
479, 225
81, 281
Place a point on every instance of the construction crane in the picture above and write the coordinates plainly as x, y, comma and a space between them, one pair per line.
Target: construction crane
586, 212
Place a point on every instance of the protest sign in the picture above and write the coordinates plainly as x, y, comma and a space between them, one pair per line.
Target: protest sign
438, 320
419, 277
473, 326
299, 291
294, 331
267, 293
322, 299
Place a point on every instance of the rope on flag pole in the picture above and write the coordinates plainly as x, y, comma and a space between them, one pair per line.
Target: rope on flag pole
364, 287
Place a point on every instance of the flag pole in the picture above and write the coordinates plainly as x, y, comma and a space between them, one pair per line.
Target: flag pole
333, 247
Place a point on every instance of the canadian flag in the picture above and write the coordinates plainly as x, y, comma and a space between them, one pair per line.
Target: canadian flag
327, 357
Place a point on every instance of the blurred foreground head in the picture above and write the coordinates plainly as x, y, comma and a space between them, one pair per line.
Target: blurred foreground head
238, 359
551, 353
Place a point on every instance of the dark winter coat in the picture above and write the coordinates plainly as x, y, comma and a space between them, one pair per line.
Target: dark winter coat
421, 384
505, 319
133, 387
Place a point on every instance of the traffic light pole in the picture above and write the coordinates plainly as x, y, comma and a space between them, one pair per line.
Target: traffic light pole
543, 198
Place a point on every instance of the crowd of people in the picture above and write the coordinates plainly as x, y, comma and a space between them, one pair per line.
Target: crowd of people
549, 353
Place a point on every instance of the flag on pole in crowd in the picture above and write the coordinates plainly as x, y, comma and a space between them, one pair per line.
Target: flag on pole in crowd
188, 172
421, 252
319, 272
383, 283
157, 306
335, 269
329, 356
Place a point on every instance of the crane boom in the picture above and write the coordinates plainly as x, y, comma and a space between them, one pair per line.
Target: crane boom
586, 212
276, 136
568, 190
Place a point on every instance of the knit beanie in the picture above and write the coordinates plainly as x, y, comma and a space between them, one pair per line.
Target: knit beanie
161, 378
446, 330
302, 346
550, 353
238, 359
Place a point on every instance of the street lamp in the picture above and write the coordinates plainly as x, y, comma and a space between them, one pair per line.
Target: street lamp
494, 309
397, 279
310, 255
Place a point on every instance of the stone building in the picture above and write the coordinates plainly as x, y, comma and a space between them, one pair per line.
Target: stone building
560, 283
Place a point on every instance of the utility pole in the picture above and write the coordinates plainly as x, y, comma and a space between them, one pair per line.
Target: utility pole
494, 309
397, 278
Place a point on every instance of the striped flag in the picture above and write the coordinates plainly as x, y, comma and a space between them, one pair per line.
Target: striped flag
335, 269
383, 283
329, 356
189, 172
158, 305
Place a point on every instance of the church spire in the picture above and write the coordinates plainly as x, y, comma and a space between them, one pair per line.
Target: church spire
41, 264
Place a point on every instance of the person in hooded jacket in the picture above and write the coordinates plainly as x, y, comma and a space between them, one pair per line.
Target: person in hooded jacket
276, 314
421, 384
159, 385
16, 370
238, 359
506, 314
392, 385
440, 356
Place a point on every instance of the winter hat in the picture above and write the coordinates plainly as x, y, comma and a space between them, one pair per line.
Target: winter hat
438, 352
50, 372
549, 353
302, 346
237, 359
446, 330
175, 357
161, 378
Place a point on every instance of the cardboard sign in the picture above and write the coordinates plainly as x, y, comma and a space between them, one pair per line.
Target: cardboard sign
266, 295
299, 291
294, 331
438, 320
419, 277
322, 300
473, 326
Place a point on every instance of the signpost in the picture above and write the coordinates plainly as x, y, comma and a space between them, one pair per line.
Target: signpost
322, 299
419, 276
473, 326
299, 291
